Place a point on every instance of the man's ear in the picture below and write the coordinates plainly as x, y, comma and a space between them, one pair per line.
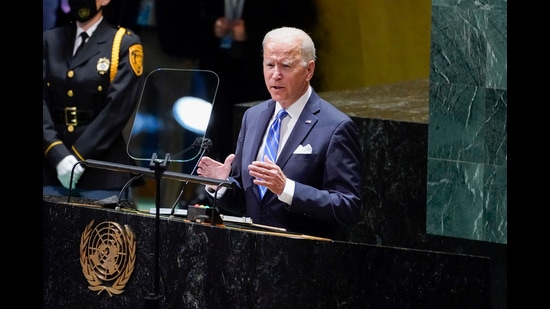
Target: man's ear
310, 69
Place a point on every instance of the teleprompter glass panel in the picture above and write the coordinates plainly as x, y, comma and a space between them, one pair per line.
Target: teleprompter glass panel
172, 117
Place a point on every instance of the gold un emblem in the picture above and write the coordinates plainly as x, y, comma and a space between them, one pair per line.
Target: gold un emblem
107, 256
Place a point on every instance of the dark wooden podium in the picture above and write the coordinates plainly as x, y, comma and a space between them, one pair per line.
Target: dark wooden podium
206, 266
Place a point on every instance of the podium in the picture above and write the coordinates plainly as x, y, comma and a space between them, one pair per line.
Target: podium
215, 266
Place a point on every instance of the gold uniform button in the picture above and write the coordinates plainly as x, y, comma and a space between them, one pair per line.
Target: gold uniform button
70, 74
70, 93
99, 88
70, 128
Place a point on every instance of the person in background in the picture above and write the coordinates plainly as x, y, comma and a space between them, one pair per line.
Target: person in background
314, 183
49, 13
231, 35
55, 13
88, 97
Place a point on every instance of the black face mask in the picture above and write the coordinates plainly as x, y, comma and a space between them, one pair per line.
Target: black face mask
83, 10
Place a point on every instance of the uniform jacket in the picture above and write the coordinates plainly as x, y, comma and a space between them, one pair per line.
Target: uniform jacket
103, 106
326, 200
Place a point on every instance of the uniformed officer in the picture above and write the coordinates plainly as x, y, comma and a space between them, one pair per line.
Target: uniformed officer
87, 100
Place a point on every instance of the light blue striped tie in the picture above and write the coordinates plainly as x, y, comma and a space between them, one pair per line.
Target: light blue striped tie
272, 142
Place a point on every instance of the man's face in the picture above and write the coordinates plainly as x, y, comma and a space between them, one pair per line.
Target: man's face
285, 76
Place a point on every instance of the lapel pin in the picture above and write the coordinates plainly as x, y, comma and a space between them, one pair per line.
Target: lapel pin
308, 121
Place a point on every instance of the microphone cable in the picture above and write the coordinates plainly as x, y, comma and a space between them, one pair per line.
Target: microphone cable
126, 185
71, 182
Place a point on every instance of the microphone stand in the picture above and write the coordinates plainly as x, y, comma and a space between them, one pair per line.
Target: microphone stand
202, 143
157, 168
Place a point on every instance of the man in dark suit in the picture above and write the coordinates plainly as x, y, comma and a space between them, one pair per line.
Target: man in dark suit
314, 185
87, 100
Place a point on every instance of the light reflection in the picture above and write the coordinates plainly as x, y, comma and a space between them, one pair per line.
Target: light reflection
192, 113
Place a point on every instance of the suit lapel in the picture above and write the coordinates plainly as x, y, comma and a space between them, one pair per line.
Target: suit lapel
258, 128
304, 125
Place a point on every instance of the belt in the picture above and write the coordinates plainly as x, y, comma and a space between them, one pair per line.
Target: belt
72, 116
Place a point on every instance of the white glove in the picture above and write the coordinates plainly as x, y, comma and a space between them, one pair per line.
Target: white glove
64, 169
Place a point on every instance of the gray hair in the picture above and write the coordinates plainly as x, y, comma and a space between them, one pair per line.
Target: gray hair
285, 33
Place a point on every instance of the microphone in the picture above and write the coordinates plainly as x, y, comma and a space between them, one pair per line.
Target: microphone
199, 143
205, 144
202, 142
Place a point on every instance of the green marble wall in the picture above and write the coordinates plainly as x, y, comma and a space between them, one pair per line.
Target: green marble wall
467, 131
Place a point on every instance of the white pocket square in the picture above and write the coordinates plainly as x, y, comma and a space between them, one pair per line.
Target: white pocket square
303, 149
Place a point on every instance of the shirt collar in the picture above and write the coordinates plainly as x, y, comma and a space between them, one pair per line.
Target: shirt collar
295, 109
90, 30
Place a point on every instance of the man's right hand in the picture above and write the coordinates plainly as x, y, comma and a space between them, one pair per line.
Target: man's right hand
211, 168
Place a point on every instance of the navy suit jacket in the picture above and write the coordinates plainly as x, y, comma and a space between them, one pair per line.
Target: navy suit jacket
327, 195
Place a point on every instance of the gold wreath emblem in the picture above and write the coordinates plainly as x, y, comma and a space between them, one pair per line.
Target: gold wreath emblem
107, 254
